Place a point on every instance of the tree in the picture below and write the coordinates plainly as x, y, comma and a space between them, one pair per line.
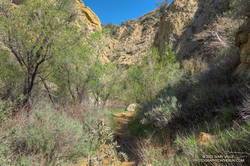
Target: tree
71, 74
144, 81
104, 81
36, 32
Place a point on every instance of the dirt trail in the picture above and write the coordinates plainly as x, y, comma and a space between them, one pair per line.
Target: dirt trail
128, 143
121, 121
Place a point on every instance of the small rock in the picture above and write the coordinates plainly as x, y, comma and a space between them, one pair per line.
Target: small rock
205, 139
133, 107
128, 164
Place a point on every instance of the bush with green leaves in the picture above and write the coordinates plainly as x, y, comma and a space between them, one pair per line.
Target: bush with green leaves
70, 73
112, 29
11, 76
48, 137
160, 116
104, 82
38, 36
230, 142
143, 82
244, 109
239, 8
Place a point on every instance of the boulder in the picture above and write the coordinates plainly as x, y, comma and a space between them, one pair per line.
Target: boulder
86, 15
128, 164
242, 40
205, 139
133, 107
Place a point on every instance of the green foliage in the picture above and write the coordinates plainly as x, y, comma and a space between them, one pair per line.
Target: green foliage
138, 129
7, 107
227, 142
53, 135
5, 110
160, 116
145, 81
227, 114
42, 49
50, 137
35, 34
11, 75
104, 81
232, 140
70, 72
112, 29
239, 8
45, 49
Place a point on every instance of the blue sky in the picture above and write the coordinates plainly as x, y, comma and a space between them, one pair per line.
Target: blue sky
117, 11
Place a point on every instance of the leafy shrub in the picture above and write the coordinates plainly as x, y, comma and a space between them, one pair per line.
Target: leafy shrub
232, 141
239, 8
104, 82
203, 93
160, 116
244, 110
48, 137
143, 82
112, 29
139, 129
11, 76
227, 114
7, 108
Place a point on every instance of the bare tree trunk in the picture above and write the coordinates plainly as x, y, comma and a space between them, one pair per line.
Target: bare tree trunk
29, 84
69, 86
47, 89
80, 93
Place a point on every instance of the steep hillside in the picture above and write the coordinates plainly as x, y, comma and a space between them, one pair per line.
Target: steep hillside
131, 40
86, 15
195, 29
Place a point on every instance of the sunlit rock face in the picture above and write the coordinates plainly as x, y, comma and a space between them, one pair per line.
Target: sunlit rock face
131, 40
174, 19
86, 15
189, 26
205, 139
86, 18
242, 40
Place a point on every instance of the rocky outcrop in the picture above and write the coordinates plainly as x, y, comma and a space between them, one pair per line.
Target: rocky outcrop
133, 107
86, 18
205, 139
174, 18
86, 15
131, 40
196, 29
242, 40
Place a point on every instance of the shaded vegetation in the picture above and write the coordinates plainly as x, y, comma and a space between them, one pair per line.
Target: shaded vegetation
57, 97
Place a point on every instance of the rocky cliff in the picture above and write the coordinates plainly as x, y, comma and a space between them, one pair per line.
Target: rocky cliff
86, 15
196, 29
131, 40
